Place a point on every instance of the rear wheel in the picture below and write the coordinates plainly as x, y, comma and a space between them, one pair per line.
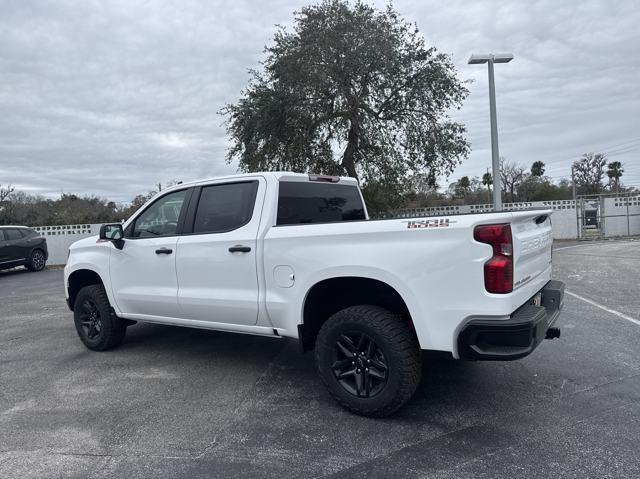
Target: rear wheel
37, 260
98, 328
368, 360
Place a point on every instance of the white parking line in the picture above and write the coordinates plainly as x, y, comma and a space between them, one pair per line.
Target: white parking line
604, 308
567, 247
594, 243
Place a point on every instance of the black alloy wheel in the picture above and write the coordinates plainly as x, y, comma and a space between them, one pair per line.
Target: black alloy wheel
360, 366
90, 319
97, 325
368, 359
37, 261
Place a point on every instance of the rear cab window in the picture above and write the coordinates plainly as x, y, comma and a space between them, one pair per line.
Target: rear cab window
301, 202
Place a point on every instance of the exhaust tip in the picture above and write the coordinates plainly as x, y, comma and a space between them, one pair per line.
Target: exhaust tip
552, 333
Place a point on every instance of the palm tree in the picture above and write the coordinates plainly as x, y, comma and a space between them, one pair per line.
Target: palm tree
614, 173
537, 169
487, 180
463, 186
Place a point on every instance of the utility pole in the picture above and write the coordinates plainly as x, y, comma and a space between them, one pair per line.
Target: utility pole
495, 154
490, 59
575, 200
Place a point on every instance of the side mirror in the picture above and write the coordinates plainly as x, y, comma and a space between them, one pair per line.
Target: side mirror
113, 233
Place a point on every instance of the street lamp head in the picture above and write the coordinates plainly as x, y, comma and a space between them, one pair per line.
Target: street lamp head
485, 57
502, 57
477, 59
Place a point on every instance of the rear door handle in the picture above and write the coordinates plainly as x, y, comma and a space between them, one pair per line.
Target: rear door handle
239, 249
164, 251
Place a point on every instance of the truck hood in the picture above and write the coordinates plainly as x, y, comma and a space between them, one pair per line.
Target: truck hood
84, 242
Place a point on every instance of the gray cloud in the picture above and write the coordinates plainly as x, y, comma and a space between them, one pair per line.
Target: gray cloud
109, 98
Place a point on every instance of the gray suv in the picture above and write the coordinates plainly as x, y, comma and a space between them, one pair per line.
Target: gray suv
22, 246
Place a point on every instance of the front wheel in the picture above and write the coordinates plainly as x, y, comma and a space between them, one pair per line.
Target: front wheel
368, 359
98, 328
37, 260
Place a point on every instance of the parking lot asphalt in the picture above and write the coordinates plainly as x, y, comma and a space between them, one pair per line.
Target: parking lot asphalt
175, 402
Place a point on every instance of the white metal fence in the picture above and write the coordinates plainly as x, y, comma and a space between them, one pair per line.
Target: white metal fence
563, 218
60, 237
623, 218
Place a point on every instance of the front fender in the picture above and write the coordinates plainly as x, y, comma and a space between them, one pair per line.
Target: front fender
95, 259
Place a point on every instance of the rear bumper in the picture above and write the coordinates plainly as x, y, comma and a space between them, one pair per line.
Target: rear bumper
516, 337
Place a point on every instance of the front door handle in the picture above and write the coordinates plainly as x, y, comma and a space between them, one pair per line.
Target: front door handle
164, 251
239, 249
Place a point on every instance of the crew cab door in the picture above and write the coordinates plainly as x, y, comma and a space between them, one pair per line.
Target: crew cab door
143, 272
13, 248
216, 262
4, 249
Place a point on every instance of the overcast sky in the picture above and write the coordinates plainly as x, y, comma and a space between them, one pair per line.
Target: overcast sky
110, 98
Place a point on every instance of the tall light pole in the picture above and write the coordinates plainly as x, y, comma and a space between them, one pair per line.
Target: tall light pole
490, 58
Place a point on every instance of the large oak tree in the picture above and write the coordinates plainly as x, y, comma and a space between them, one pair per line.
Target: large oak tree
354, 91
589, 172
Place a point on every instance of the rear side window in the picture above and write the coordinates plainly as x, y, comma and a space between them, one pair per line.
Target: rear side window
26, 232
225, 207
305, 203
11, 234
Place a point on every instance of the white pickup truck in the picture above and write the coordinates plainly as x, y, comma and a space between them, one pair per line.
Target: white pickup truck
295, 255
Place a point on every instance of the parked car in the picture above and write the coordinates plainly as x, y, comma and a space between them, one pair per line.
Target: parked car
293, 255
22, 246
590, 218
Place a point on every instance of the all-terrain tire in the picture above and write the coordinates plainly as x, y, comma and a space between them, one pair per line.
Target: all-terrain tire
397, 350
99, 329
37, 260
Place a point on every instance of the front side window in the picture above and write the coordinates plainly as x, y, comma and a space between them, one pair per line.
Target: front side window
225, 207
161, 218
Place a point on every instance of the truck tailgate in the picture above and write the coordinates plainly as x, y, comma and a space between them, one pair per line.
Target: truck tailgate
532, 242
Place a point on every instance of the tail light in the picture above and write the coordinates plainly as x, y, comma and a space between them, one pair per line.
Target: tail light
498, 271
